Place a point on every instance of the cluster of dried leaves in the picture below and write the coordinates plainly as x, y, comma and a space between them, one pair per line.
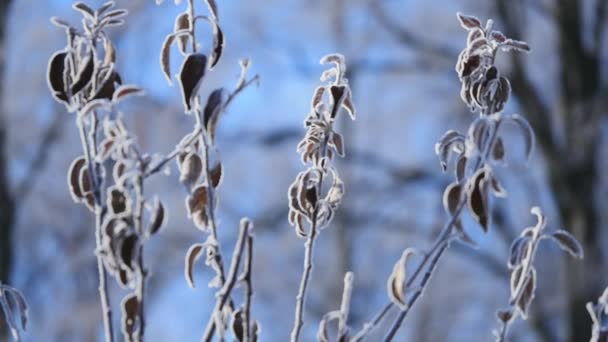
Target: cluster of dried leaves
311, 205
15, 309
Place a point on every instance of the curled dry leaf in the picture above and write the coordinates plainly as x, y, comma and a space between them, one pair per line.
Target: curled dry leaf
451, 198
74, 178
191, 77
212, 111
190, 169
568, 243
468, 22
216, 175
158, 217
165, 57
477, 199
182, 23
55, 76
218, 44
194, 253
130, 311
527, 294
126, 91
396, 285
198, 203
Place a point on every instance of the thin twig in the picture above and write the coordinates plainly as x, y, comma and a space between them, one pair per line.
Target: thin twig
224, 293
248, 288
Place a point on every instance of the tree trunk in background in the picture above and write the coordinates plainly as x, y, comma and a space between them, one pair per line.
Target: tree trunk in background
572, 160
7, 204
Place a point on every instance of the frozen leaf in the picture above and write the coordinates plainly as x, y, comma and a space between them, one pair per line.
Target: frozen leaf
218, 44
198, 203
110, 53
216, 175
74, 178
519, 249
451, 198
55, 73
337, 143
504, 315
182, 22
445, 144
568, 243
84, 76
477, 199
194, 253
527, 294
460, 169
108, 86
337, 96
115, 14
106, 6
165, 57
498, 151
191, 77
517, 45
498, 36
117, 201
468, 22
191, 169
128, 250
158, 217
60, 23
212, 111
497, 188
317, 98
397, 282
237, 325
85, 10
130, 312
349, 106
126, 91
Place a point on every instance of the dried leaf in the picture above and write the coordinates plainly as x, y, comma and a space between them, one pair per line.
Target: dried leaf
468, 22
498, 151
115, 14
191, 170
497, 188
519, 249
198, 202
191, 76
212, 111
396, 285
108, 86
477, 199
182, 22
216, 175
106, 6
60, 23
499, 36
117, 201
337, 143
568, 243
74, 178
451, 198
237, 325
504, 315
165, 57
527, 295
218, 44
158, 217
130, 312
85, 75
194, 253
317, 98
349, 106
55, 80
125, 91
461, 166
128, 250
84, 9
337, 96
212, 7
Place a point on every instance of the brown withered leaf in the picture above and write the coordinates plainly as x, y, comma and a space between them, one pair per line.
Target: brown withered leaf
237, 325
468, 22
212, 110
191, 169
191, 77
182, 22
337, 96
194, 253
527, 295
198, 203
125, 91
84, 9
130, 312
165, 57
568, 243
128, 250
516, 45
516, 275
106, 6
460, 169
55, 80
317, 97
498, 36
349, 106
158, 217
396, 285
218, 44
74, 178
117, 201
216, 175
477, 199
115, 14
108, 86
451, 198
337, 143
518, 250
84, 76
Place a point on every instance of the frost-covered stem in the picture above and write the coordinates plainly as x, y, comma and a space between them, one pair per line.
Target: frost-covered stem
308, 252
224, 293
99, 213
192, 22
345, 306
168, 158
519, 289
248, 288
141, 278
7, 312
